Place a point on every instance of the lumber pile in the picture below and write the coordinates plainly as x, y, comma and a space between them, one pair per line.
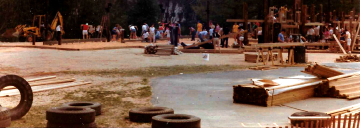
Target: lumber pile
342, 86
44, 84
160, 50
348, 58
321, 71
354, 109
275, 92
252, 57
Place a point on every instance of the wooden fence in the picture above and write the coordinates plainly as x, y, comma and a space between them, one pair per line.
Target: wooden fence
338, 121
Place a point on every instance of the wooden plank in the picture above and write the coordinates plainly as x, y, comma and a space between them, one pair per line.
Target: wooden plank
342, 76
45, 83
350, 117
40, 78
315, 24
338, 42
41, 88
344, 123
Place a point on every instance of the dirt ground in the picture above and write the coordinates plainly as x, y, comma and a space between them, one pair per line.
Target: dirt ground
116, 90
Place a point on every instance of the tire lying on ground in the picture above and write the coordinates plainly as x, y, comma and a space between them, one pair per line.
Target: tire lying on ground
84, 104
25, 91
307, 114
145, 114
54, 125
176, 121
5, 117
70, 115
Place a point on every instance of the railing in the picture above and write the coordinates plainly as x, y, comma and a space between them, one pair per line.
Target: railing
339, 121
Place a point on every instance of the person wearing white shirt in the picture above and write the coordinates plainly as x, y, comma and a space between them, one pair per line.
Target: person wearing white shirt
146, 36
211, 31
152, 33
202, 35
311, 33
58, 33
144, 29
348, 39
317, 33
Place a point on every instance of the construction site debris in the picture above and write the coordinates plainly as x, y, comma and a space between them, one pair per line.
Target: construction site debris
321, 71
348, 58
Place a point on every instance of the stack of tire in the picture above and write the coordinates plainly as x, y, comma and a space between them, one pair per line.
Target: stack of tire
73, 115
162, 117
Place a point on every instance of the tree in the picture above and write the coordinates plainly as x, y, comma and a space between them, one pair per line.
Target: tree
143, 11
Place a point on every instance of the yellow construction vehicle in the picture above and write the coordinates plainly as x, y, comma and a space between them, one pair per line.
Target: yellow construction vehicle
38, 30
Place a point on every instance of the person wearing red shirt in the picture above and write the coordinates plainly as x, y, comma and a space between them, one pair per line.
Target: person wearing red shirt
85, 31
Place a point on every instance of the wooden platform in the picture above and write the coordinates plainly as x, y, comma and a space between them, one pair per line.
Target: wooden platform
67, 41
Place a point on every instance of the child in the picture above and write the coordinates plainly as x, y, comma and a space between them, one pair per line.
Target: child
167, 32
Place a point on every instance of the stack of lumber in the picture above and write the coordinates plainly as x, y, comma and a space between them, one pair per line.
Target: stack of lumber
346, 110
348, 58
160, 50
342, 86
321, 71
252, 57
165, 49
275, 92
43, 84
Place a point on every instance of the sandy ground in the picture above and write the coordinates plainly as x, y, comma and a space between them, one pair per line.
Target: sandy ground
30, 61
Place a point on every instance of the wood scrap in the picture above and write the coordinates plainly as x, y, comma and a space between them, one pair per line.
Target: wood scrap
58, 81
321, 71
40, 78
338, 42
13, 92
348, 58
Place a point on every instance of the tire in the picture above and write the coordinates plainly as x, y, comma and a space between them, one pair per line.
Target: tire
176, 121
83, 104
145, 114
29, 38
54, 125
25, 91
307, 114
70, 115
5, 117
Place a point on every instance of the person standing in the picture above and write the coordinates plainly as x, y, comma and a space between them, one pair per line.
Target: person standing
281, 38
199, 27
348, 40
216, 40
85, 31
327, 35
311, 33
91, 31
167, 33
211, 31
152, 33
98, 31
317, 33
115, 32
235, 29
225, 42
192, 33
143, 29
58, 34
217, 28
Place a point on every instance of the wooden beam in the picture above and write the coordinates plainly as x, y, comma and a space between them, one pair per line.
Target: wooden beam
59, 81
14, 92
242, 20
354, 39
338, 42
40, 78
286, 26
315, 24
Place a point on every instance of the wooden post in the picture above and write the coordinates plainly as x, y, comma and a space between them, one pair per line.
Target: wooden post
265, 29
245, 11
342, 25
351, 19
321, 20
336, 39
312, 13
303, 19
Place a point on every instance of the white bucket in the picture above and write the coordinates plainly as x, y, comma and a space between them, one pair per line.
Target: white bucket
206, 56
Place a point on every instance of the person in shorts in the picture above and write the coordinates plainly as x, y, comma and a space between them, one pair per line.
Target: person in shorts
348, 39
132, 31
85, 32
